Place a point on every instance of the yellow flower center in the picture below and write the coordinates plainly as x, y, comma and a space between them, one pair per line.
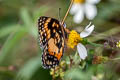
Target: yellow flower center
79, 1
118, 44
73, 39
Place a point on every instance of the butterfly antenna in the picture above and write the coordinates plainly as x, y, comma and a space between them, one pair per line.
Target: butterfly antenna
67, 12
59, 14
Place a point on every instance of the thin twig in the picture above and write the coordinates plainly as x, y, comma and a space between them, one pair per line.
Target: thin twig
67, 12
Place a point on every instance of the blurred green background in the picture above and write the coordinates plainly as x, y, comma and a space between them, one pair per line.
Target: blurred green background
20, 55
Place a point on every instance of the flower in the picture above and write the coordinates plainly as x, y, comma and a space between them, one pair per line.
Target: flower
58, 71
76, 39
118, 44
81, 7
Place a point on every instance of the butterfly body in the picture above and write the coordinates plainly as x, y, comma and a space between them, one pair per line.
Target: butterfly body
52, 41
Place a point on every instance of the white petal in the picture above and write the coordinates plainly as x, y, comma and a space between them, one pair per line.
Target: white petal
74, 9
79, 16
92, 1
90, 11
87, 26
87, 31
82, 51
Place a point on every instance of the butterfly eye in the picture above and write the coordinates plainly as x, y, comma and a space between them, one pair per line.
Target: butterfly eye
64, 25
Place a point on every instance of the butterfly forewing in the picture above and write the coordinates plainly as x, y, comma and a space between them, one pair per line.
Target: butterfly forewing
51, 40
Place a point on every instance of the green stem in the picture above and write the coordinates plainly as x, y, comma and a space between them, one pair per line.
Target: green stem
116, 58
94, 44
105, 34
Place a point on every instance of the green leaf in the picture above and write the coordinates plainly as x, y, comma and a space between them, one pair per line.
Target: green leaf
10, 43
8, 29
39, 12
28, 22
25, 16
78, 74
29, 69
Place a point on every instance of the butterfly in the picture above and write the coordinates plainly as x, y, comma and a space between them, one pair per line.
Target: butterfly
52, 35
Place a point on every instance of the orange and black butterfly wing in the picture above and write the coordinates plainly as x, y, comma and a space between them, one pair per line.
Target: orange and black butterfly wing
42, 31
51, 39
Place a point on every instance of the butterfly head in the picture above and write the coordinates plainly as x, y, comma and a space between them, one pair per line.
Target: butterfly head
64, 24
